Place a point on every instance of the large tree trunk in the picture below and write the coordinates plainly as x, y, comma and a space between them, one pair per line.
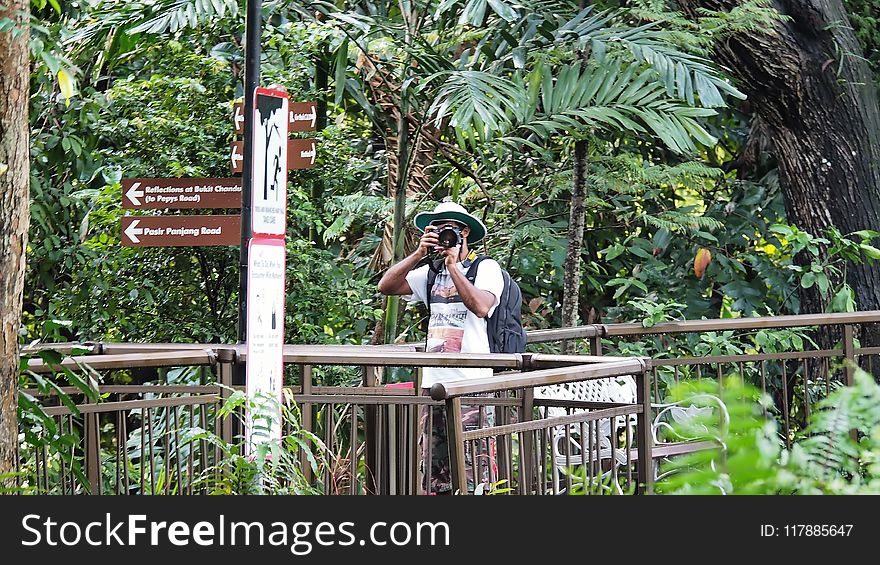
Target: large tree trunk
812, 90
571, 284
14, 217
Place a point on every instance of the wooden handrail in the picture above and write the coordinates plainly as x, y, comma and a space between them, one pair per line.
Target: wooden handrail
510, 381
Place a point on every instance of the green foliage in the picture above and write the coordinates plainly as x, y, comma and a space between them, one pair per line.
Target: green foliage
826, 458
270, 467
865, 18
43, 437
170, 117
175, 15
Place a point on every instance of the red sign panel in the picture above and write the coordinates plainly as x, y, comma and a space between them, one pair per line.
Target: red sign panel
270, 159
180, 231
153, 194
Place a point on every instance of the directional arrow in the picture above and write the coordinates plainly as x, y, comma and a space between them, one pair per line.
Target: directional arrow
311, 153
238, 118
134, 194
132, 231
303, 116
237, 156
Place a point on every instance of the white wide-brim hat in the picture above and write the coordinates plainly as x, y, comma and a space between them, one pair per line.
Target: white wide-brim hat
456, 213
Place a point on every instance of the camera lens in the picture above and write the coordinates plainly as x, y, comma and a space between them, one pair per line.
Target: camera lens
448, 237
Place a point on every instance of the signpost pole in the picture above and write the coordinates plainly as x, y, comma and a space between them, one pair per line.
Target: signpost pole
253, 28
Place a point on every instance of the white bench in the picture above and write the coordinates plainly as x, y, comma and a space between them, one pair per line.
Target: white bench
676, 428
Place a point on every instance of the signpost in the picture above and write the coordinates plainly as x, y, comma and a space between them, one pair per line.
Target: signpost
265, 337
263, 158
180, 231
183, 193
266, 259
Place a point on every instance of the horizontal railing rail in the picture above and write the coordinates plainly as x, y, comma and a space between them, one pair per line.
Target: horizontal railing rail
499, 383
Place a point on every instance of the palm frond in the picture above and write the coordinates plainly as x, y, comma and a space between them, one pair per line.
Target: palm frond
474, 12
612, 97
477, 103
175, 15
684, 75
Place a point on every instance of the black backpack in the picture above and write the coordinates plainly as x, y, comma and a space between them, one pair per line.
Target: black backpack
504, 326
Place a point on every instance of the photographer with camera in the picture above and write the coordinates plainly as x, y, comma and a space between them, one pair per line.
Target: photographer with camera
458, 310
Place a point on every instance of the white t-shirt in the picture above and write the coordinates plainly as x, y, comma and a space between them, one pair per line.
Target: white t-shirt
452, 328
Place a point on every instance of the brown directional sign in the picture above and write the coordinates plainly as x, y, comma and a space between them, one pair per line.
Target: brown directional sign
236, 156
301, 154
152, 194
180, 231
303, 116
238, 116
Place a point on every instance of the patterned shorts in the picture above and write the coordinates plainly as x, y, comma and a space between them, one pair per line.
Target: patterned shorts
433, 425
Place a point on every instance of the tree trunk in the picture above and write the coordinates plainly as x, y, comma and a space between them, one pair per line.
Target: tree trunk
14, 216
572, 277
808, 83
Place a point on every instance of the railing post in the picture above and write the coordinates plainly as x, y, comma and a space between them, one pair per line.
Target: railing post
456, 445
306, 414
596, 340
643, 431
372, 441
849, 354
93, 452
226, 366
527, 470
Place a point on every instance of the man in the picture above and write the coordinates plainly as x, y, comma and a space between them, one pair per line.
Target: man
457, 324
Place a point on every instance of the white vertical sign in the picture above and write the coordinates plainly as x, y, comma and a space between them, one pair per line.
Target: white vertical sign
265, 338
269, 179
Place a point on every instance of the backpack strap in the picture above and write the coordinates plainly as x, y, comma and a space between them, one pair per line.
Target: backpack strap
471, 274
433, 270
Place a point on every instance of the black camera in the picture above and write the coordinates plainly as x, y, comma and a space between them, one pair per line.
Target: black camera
449, 236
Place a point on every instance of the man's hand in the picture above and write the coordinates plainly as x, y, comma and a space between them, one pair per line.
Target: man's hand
429, 241
450, 256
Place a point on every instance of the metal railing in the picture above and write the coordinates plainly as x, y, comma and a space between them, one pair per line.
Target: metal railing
137, 438
817, 352
532, 437
163, 438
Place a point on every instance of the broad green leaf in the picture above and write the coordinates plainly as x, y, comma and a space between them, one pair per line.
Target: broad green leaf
822, 282
870, 251
503, 10
807, 280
